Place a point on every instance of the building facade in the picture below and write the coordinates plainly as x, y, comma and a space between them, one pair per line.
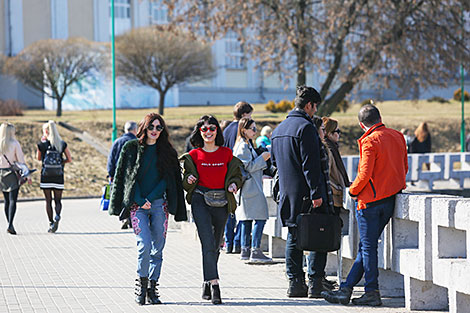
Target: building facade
26, 21
237, 78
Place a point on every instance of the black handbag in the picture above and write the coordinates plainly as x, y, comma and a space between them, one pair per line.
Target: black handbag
17, 171
318, 231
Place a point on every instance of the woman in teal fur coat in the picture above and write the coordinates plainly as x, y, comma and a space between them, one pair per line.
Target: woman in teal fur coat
147, 187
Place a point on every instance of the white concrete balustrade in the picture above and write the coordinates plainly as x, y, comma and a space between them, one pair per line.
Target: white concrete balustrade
423, 252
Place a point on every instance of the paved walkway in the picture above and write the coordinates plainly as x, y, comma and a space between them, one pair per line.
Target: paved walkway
89, 266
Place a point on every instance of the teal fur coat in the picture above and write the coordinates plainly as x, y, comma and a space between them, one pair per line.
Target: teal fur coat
122, 192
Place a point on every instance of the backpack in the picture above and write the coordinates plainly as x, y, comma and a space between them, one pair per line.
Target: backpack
52, 163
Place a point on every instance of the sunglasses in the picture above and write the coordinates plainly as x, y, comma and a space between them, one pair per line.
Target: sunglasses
253, 129
159, 128
204, 129
337, 131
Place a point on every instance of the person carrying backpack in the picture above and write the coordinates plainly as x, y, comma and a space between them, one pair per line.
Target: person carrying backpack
51, 151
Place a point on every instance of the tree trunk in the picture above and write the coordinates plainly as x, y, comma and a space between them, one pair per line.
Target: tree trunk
301, 50
161, 104
301, 75
329, 106
59, 107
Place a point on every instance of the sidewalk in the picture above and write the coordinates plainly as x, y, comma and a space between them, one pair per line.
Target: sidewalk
89, 266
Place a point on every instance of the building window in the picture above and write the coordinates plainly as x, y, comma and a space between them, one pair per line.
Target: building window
122, 9
122, 16
234, 58
158, 12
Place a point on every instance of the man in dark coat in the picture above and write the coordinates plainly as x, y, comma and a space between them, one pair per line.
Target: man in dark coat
296, 154
130, 130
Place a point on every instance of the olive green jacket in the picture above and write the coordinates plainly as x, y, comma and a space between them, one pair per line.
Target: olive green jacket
234, 175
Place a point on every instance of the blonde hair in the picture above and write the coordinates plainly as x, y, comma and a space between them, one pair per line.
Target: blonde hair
53, 135
7, 137
266, 130
422, 132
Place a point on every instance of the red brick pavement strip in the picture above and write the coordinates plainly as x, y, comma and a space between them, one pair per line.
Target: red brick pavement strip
89, 266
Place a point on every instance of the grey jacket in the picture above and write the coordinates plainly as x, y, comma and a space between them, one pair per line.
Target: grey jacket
252, 203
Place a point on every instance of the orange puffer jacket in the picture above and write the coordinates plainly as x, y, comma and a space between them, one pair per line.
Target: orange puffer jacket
382, 166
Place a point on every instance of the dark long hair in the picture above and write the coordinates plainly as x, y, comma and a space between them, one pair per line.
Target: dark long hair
167, 158
196, 138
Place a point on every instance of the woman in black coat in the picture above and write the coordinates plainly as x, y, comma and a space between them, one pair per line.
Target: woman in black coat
147, 186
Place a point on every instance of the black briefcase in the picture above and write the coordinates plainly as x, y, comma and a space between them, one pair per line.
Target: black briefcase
320, 232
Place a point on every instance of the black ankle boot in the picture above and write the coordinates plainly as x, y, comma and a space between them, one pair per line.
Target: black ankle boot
206, 290
297, 288
216, 294
343, 295
152, 293
315, 287
141, 290
370, 298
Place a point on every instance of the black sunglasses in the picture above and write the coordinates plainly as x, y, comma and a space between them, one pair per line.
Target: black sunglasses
253, 129
204, 129
337, 131
159, 128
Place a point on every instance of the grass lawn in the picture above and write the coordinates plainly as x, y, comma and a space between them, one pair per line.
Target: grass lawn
87, 173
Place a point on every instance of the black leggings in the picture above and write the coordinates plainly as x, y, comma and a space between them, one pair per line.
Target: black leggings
57, 201
10, 205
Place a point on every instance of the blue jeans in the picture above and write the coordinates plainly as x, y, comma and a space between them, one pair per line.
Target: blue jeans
371, 222
246, 233
316, 262
232, 232
150, 228
210, 222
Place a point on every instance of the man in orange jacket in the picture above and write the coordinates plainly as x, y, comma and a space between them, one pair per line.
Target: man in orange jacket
381, 175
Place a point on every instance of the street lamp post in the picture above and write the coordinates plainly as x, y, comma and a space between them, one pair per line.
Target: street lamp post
114, 135
462, 96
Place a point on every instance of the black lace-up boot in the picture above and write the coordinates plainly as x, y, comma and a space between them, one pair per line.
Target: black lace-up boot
152, 293
141, 284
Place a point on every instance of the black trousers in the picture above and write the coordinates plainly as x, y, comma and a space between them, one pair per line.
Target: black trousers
210, 224
10, 205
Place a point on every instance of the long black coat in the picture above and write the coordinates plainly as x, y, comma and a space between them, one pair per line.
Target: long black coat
296, 153
122, 193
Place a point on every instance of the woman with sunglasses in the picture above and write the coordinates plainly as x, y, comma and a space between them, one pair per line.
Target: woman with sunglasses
252, 204
339, 179
147, 187
211, 176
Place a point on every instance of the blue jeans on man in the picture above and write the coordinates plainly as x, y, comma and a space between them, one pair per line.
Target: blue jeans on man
255, 234
295, 257
150, 227
371, 222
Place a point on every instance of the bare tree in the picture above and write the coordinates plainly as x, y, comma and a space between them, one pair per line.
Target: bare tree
161, 57
411, 42
51, 66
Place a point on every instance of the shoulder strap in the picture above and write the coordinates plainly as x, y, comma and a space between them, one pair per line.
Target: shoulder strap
7, 160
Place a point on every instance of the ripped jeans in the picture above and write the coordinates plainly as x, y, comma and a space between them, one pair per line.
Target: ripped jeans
150, 228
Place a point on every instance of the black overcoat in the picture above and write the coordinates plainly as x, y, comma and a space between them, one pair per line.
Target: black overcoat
296, 153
